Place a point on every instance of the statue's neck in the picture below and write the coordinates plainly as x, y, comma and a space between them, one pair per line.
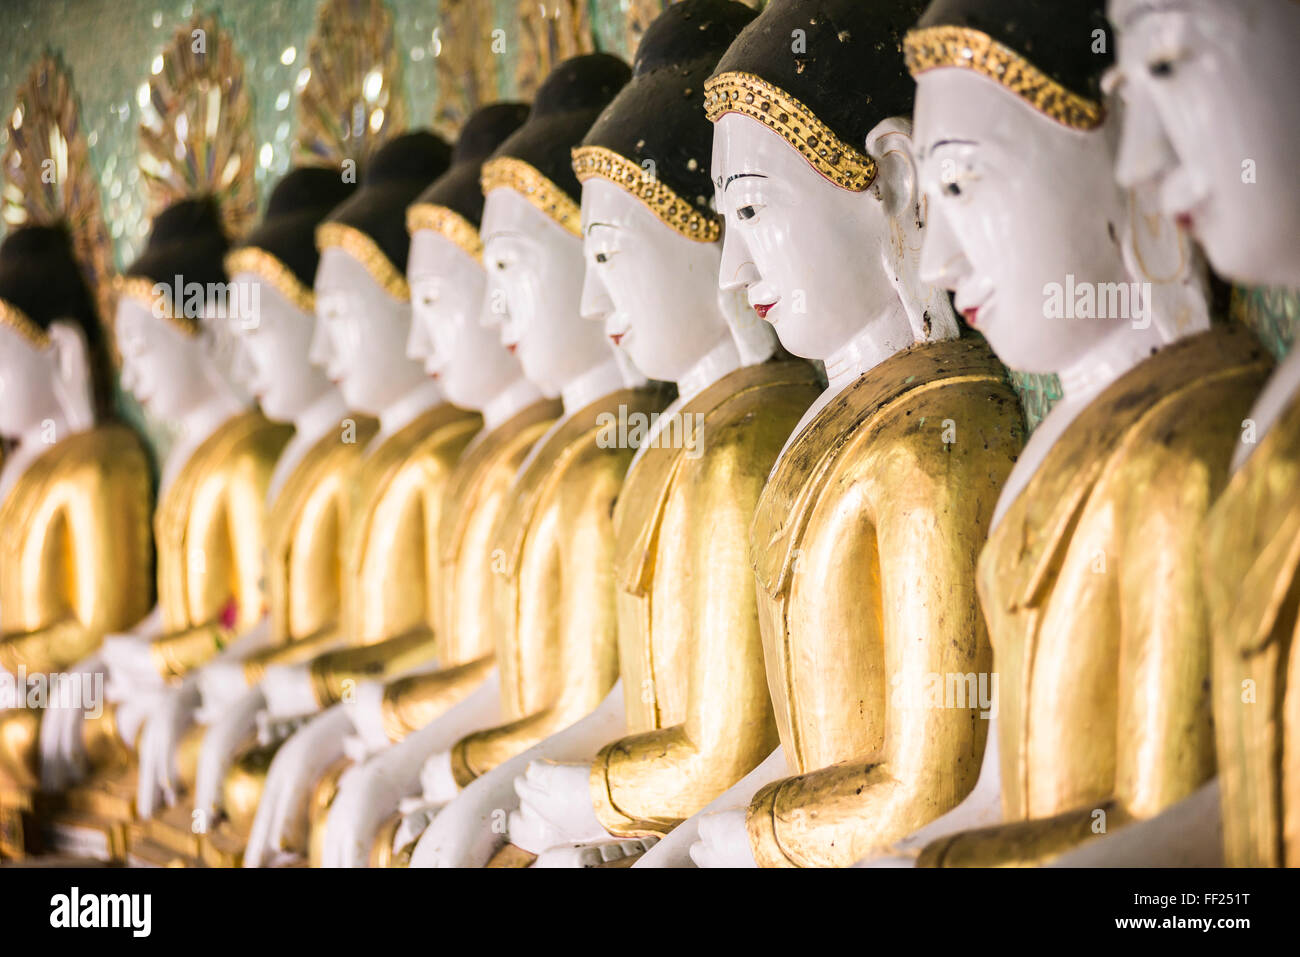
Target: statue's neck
404, 410
309, 427
31, 445
719, 361
1099, 367
883, 336
509, 402
586, 387
1081, 383
886, 335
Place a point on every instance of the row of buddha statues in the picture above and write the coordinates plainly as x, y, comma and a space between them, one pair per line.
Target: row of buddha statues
639, 480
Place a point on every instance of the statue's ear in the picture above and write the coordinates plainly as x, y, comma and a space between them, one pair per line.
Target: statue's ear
890, 144
72, 375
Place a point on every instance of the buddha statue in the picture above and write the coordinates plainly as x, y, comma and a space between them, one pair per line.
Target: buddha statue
556, 587
866, 535
390, 595
306, 511
1090, 577
1183, 70
75, 493
695, 696
448, 284
179, 359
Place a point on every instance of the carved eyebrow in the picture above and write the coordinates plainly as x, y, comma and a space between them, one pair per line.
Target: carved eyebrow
735, 176
591, 226
949, 142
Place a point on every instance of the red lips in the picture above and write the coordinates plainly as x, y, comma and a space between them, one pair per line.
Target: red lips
970, 315
512, 347
617, 338
763, 308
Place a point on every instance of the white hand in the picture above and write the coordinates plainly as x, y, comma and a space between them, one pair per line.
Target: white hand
724, 840
231, 728
62, 752
172, 715
554, 807
437, 782
288, 690
129, 661
296, 768
369, 796
367, 713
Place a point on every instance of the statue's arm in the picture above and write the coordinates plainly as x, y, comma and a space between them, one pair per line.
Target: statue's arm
931, 519
335, 675
1165, 733
111, 584
564, 623
648, 782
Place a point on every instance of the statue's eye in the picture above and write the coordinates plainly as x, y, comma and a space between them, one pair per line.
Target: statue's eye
952, 189
500, 265
746, 212
1162, 68
602, 258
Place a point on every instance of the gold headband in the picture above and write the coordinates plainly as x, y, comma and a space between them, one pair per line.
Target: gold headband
533, 186
752, 96
597, 161
447, 223
16, 319
367, 252
269, 269
935, 47
142, 289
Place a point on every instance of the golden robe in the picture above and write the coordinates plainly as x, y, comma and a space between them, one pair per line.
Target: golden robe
690, 654
210, 532
557, 642
864, 545
1251, 574
304, 528
76, 562
478, 493
392, 595
1091, 586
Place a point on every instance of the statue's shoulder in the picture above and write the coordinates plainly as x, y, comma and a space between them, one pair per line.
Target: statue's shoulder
1169, 427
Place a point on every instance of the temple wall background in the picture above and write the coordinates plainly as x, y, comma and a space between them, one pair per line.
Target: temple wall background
110, 45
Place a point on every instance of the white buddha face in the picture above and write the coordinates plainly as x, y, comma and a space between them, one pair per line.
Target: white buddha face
447, 289
1212, 117
27, 375
1016, 201
276, 342
165, 368
653, 290
361, 332
807, 253
534, 274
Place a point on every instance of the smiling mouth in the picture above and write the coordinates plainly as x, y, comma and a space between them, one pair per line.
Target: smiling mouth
617, 337
512, 347
763, 309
